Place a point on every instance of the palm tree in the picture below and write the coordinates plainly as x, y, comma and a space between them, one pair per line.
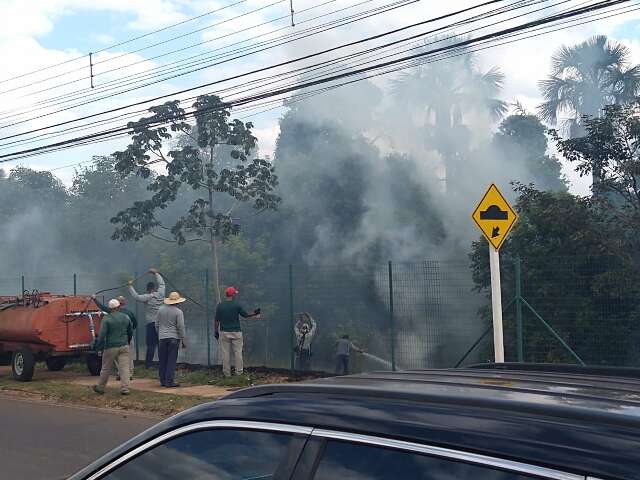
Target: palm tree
445, 91
584, 78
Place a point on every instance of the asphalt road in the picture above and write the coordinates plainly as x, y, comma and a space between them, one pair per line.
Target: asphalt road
43, 441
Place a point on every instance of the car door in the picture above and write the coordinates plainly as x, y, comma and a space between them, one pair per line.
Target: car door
213, 450
338, 455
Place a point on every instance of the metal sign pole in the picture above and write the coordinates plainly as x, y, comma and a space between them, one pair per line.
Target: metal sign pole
496, 304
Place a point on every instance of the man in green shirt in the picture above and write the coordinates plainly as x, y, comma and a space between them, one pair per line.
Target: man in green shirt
229, 332
116, 332
132, 318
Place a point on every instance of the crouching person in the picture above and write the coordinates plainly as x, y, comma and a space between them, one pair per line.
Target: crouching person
116, 332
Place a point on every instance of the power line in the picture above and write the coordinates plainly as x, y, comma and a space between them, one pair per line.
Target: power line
259, 70
531, 2
119, 44
320, 91
469, 20
136, 51
417, 63
357, 72
466, 21
270, 43
150, 59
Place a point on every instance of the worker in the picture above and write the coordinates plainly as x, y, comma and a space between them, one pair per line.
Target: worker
171, 332
153, 299
113, 341
305, 330
132, 319
343, 352
227, 328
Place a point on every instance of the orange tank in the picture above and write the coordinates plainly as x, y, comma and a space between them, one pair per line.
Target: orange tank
53, 328
57, 323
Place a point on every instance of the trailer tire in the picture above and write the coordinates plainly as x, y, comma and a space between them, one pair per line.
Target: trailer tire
55, 364
94, 364
22, 364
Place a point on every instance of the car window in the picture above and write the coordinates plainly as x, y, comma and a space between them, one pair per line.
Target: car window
351, 461
217, 454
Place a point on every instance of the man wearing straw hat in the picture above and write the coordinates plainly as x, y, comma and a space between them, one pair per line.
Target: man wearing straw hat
171, 333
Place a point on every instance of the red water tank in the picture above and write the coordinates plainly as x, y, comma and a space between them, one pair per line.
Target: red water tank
51, 323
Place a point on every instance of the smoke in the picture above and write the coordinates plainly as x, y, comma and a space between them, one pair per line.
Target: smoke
372, 173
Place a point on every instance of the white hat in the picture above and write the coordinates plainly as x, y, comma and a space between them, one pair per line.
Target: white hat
113, 303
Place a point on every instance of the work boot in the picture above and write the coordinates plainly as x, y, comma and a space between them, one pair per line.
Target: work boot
98, 390
125, 392
173, 385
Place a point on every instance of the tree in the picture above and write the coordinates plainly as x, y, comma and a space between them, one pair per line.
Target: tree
586, 77
521, 139
445, 92
214, 172
611, 146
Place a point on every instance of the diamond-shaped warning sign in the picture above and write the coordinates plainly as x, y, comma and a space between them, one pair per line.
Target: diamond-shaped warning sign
494, 216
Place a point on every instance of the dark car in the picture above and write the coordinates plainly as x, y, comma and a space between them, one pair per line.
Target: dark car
491, 422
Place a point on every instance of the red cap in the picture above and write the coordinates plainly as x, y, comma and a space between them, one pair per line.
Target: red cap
231, 292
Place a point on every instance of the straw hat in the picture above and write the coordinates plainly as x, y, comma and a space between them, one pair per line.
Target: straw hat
174, 297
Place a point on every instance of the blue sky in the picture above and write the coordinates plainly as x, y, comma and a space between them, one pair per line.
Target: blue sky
44, 32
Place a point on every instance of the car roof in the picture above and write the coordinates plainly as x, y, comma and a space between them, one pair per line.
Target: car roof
579, 420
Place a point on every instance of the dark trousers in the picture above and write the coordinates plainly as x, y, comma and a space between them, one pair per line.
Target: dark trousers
342, 365
304, 360
152, 343
168, 354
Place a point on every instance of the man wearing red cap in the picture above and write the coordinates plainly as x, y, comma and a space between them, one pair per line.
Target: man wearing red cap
229, 332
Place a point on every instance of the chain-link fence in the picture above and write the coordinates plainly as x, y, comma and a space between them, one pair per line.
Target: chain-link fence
403, 315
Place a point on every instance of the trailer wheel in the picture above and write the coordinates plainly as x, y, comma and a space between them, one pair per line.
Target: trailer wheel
55, 364
22, 364
94, 364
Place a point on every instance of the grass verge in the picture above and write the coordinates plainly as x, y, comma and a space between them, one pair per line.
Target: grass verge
196, 375
61, 392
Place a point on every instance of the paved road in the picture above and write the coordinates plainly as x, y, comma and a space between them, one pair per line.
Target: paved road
42, 441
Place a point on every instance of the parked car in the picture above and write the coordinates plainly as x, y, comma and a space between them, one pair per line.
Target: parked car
491, 422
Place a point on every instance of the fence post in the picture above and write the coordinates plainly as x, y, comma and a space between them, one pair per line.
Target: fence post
135, 275
22, 290
207, 314
392, 332
519, 326
75, 284
291, 318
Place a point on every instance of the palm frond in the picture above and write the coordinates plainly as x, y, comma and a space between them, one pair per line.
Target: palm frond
497, 108
564, 59
548, 111
625, 84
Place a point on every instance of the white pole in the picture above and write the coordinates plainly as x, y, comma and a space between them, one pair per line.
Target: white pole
496, 304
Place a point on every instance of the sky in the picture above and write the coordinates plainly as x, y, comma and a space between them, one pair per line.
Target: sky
41, 33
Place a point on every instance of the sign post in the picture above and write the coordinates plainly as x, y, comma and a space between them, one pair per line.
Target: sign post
496, 304
495, 218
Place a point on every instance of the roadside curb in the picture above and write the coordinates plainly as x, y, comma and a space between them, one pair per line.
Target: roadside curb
33, 397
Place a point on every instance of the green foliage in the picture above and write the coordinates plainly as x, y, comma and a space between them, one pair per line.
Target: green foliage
574, 273
610, 150
193, 168
521, 138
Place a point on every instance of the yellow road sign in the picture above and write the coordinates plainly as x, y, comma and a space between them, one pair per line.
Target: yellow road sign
494, 216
